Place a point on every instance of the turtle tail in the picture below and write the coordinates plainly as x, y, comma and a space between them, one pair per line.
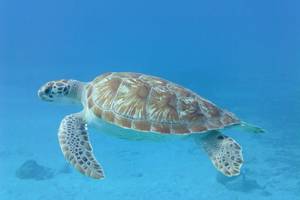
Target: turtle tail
252, 128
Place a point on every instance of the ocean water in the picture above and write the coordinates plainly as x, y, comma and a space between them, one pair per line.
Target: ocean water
242, 55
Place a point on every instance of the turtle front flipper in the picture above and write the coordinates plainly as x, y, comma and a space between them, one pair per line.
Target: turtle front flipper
76, 147
224, 152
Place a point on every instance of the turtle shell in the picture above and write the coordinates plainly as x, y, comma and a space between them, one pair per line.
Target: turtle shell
147, 103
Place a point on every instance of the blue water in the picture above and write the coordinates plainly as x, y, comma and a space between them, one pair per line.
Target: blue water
242, 55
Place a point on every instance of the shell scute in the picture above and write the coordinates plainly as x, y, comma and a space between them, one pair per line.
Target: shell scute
131, 99
153, 81
190, 110
106, 91
101, 77
181, 91
141, 125
97, 111
198, 128
108, 116
162, 106
228, 118
179, 128
122, 121
161, 128
210, 109
90, 103
89, 90
127, 75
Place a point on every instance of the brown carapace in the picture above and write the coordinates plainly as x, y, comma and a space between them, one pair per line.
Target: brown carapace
148, 103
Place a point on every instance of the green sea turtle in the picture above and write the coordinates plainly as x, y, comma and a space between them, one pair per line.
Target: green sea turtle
144, 105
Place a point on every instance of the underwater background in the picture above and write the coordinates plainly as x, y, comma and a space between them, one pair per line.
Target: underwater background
242, 55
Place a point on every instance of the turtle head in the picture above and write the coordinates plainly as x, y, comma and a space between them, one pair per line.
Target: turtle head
65, 91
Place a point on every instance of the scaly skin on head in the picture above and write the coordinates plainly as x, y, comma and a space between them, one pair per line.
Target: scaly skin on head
65, 91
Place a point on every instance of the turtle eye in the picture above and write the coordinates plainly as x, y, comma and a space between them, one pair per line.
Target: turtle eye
48, 90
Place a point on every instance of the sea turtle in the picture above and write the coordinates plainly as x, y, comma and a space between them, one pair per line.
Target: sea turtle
146, 105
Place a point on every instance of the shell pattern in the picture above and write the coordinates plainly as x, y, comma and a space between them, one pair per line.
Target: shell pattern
148, 103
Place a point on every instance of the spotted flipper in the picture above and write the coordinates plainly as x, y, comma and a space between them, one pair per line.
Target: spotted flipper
75, 145
224, 152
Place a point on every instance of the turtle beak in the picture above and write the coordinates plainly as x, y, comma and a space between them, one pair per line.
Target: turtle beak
43, 95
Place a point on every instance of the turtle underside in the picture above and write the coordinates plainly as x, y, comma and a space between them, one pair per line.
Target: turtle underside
148, 103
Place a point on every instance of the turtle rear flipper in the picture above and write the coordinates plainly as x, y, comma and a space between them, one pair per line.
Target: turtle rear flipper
76, 147
252, 128
224, 152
